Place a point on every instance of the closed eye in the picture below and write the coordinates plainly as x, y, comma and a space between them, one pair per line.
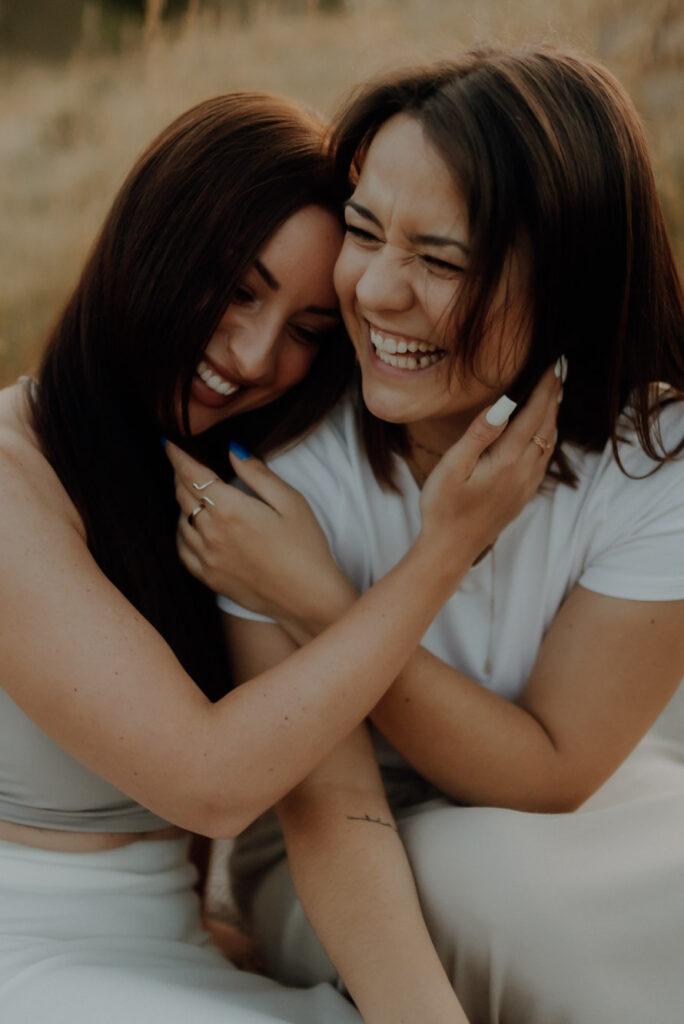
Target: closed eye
443, 266
361, 233
310, 335
242, 296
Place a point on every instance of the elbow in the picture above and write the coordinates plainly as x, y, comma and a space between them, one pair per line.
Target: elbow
215, 819
564, 797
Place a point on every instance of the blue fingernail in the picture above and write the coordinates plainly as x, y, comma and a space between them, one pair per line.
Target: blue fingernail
162, 441
238, 449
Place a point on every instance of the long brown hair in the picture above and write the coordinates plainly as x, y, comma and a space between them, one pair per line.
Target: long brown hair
182, 232
549, 153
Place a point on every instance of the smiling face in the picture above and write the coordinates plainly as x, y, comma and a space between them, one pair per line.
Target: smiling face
271, 332
402, 265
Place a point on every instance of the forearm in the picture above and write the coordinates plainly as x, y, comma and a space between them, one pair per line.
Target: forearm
304, 707
352, 875
474, 745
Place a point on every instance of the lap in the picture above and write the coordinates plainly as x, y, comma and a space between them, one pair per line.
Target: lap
541, 919
115, 936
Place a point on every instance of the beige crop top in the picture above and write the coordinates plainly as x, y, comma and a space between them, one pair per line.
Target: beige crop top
43, 786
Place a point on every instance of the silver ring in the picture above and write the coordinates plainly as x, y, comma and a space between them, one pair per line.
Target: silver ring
196, 511
201, 487
541, 442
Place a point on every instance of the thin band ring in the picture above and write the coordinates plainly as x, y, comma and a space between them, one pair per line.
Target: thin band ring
201, 487
196, 511
541, 442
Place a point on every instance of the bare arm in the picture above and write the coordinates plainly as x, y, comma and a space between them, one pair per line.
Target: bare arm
350, 869
94, 675
605, 670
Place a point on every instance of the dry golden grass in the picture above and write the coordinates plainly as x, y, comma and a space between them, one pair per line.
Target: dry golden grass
69, 134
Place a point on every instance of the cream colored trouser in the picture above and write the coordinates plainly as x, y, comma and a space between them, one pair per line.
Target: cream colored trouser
538, 919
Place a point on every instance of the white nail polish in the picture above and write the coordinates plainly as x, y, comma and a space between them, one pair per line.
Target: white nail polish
500, 411
560, 368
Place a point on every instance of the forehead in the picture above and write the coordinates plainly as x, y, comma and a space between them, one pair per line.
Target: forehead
406, 180
301, 254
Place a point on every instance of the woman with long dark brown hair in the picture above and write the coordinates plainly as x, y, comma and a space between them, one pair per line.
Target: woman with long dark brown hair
205, 311
503, 218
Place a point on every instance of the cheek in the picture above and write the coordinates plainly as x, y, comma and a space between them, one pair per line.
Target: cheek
295, 364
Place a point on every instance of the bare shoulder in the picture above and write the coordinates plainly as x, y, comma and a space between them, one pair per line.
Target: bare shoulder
28, 483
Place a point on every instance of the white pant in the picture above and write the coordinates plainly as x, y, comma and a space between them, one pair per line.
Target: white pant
538, 919
114, 937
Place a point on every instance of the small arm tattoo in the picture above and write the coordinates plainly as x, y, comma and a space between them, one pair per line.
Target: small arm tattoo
374, 821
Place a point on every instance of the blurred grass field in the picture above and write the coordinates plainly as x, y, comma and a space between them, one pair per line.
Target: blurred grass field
69, 131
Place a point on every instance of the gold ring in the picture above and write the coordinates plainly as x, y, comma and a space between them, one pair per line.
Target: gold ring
201, 487
541, 442
196, 511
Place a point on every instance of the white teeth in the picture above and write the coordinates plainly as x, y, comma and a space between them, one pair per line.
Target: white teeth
214, 381
386, 348
408, 362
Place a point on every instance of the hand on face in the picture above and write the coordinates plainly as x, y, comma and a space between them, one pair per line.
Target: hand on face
485, 480
269, 555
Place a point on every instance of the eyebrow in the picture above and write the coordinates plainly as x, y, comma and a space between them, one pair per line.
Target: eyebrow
274, 285
435, 240
266, 274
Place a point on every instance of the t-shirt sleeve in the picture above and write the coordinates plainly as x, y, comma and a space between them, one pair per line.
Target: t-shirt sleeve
637, 548
320, 468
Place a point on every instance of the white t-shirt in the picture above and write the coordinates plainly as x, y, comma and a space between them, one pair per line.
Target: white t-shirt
612, 534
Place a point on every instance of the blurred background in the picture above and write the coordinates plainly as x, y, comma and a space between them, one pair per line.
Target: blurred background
85, 84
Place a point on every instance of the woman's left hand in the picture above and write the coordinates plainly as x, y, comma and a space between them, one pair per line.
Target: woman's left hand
267, 553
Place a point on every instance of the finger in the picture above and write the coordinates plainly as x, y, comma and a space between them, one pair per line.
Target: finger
190, 560
485, 429
532, 413
187, 469
262, 480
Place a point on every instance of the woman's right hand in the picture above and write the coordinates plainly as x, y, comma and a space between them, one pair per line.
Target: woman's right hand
484, 480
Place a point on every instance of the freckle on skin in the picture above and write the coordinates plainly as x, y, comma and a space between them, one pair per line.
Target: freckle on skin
286, 718
75, 689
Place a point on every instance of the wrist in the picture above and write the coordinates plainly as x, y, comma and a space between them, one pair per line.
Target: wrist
328, 608
443, 558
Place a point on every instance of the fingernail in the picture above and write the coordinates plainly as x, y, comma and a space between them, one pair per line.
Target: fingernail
162, 441
500, 411
560, 396
560, 368
239, 450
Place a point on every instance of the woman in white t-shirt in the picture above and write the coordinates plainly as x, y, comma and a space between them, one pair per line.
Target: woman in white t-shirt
504, 219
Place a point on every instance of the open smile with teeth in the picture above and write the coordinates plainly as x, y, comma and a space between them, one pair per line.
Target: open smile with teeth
214, 381
404, 354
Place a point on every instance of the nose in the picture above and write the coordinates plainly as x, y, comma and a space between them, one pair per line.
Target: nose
254, 351
384, 284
